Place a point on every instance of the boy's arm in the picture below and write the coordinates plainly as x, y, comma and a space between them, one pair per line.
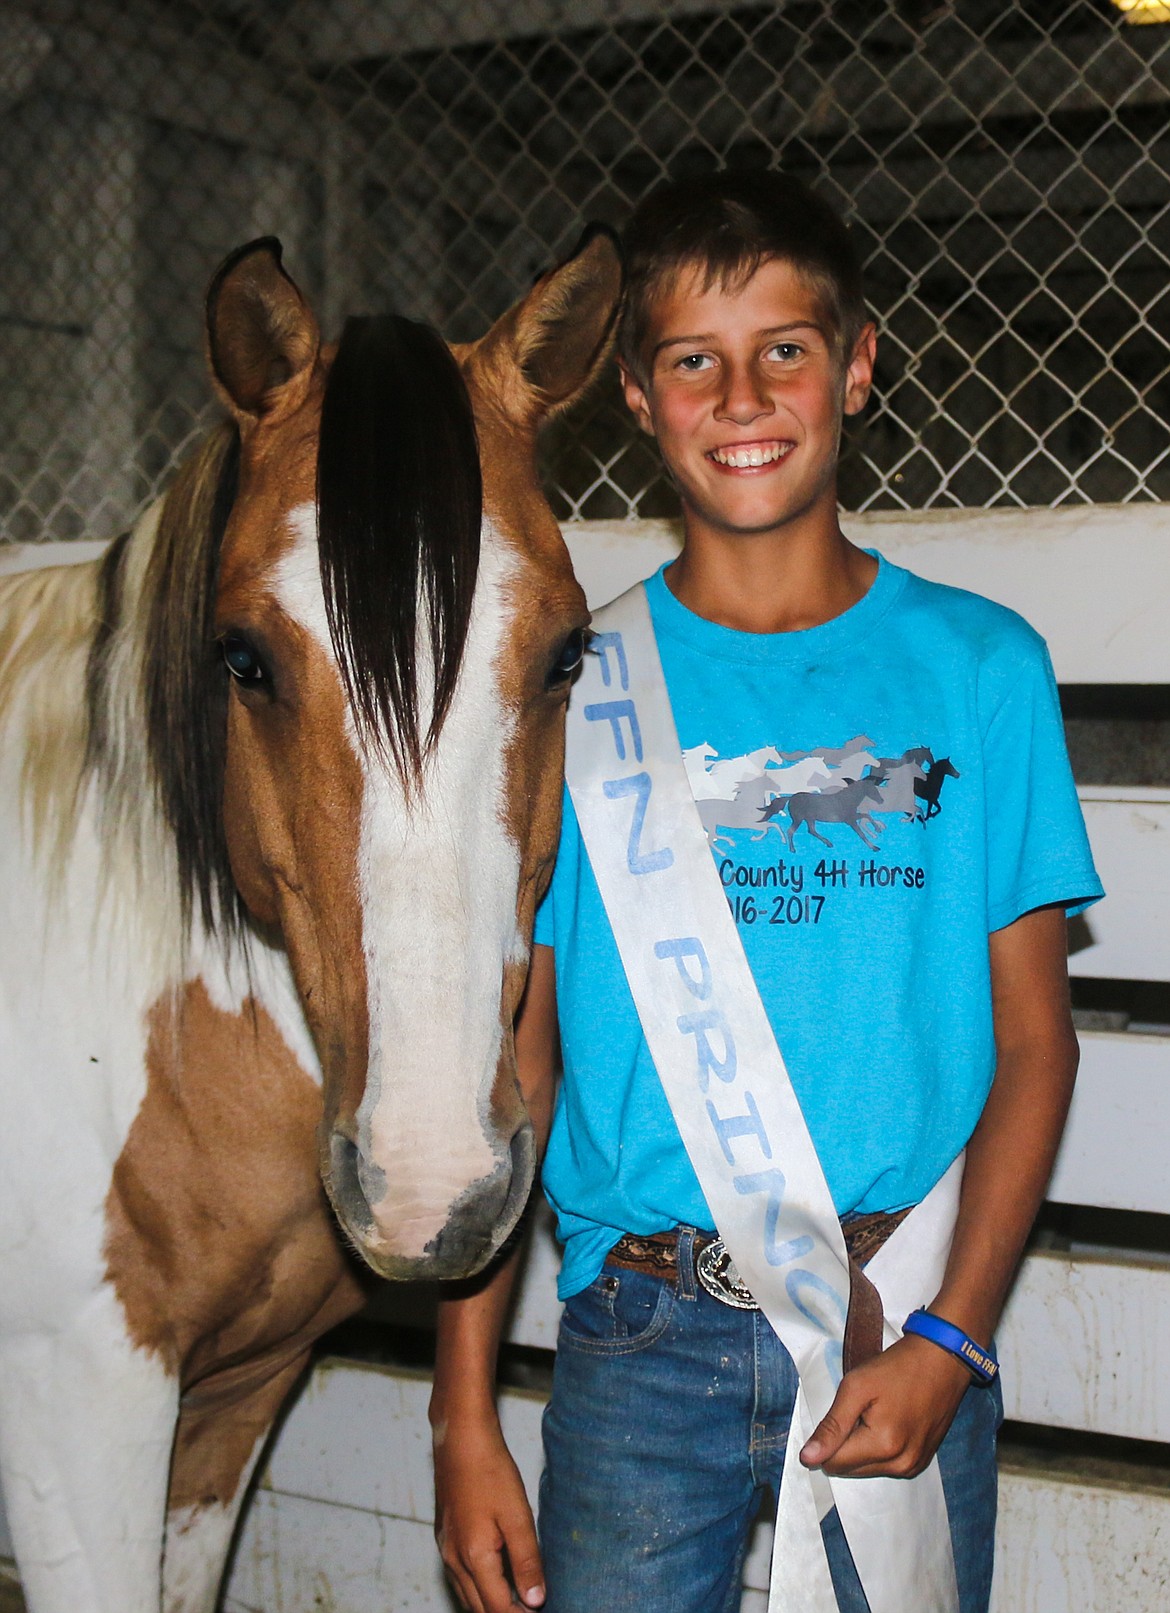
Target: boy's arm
483, 1522
891, 1414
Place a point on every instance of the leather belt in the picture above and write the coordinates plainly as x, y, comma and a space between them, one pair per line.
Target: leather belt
656, 1253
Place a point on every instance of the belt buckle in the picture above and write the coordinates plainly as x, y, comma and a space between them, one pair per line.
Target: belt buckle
717, 1272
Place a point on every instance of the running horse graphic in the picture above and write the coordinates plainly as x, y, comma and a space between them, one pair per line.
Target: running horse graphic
848, 804
902, 775
264, 929
747, 809
927, 789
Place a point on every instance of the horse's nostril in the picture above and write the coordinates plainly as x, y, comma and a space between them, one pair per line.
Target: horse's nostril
345, 1180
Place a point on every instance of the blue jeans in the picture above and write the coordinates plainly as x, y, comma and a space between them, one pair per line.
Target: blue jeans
666, 1428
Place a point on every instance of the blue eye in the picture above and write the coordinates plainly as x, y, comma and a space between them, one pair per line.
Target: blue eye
241, 660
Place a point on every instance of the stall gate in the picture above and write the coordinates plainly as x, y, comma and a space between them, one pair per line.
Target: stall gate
342, 1516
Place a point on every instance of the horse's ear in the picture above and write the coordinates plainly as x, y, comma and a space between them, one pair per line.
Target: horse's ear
262, 338
543, 353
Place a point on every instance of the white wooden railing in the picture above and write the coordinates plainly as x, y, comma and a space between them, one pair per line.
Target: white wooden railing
342, 1516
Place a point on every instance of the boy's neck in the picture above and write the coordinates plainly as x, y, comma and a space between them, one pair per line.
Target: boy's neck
793, 577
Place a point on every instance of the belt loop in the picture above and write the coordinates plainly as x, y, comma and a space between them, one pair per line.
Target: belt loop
686, 1263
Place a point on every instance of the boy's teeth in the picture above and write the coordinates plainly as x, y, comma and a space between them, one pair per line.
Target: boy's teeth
742, 458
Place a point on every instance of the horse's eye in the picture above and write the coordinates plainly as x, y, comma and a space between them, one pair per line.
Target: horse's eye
567, 659
241, 660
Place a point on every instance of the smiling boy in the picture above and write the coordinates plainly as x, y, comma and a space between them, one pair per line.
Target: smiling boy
906, 942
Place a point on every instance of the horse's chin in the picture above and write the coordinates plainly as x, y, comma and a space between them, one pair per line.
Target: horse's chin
458, 1253
456, 1267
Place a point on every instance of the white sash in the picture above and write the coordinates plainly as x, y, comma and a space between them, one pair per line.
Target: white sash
739, 1118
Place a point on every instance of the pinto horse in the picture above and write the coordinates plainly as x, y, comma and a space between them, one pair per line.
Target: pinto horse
264, 929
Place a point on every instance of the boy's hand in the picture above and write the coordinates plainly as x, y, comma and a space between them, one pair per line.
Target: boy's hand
890, 1415
483, 1522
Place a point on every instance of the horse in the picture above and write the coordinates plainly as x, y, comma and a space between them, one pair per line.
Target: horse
839, 757
903, 774
743, 811
714, 778
264, 930
846, 804
928, 789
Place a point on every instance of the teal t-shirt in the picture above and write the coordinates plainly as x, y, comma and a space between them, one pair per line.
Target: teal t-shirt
880, 793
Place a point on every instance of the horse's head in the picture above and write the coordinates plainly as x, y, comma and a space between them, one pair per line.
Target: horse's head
398, 623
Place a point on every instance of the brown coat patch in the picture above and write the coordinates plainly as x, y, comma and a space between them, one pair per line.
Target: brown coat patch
293, 782
220, 1243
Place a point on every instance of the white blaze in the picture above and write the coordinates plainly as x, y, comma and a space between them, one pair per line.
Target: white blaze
438, 880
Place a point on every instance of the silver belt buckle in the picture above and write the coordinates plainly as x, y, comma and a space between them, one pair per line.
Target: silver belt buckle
716, 1271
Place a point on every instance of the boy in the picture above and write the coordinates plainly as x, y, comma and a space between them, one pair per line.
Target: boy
879, 767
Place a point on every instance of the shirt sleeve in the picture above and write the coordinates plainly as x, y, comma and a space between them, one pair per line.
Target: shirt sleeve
1038, 851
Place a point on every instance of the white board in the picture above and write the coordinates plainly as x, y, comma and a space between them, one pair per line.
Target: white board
1130, 930
1067, 1541
359, 1437
1103, 1320
1113, 1157
1061, 1547
33, 556
1069, 1546
1116, 1146
303, 1556
1082, 1344
1094, 579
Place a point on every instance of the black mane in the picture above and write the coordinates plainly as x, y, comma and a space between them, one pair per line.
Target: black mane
399, 506
185, 682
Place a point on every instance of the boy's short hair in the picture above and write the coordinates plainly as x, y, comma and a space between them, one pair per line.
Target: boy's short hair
727, 224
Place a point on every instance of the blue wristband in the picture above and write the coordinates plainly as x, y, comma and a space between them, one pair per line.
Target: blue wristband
982, 1366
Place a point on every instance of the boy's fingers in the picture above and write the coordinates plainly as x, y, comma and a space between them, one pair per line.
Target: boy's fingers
864, 1453
461, 1582
523, 1552
838, 1423
486, 1569
533, 1596
464, 1587
530, 1585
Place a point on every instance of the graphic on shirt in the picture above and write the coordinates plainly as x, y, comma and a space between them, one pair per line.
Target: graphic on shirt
848, 785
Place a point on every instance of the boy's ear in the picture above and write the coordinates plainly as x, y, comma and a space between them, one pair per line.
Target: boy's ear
544, 352
636, 401
859, 373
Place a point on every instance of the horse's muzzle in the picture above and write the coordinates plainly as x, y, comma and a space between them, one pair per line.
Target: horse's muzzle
477, 1224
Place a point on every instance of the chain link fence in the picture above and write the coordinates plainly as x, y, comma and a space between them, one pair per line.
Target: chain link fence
1006, 169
